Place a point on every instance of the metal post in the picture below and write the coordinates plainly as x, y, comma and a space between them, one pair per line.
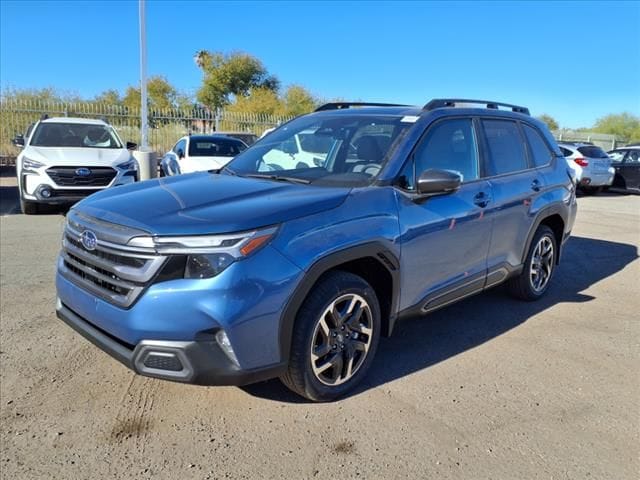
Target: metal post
144, 142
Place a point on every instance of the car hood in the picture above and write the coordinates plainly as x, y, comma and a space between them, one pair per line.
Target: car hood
206, 203
78, 157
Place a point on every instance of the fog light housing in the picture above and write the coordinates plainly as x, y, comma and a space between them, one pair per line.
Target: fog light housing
225, 345
45, 192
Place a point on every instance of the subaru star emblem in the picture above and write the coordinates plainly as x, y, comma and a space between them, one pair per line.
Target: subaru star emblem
83, 172
89, 240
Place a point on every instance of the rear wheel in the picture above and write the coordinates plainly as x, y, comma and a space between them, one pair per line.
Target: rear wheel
335, 337
538, 269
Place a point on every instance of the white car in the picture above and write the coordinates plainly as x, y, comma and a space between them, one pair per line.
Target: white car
302, 150
65, 159
196, 153
596, 171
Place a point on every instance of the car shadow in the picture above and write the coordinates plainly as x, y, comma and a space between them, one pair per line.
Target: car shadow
10, 200
419, 343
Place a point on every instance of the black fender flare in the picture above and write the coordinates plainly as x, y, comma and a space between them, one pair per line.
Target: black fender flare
375, 250
543, 214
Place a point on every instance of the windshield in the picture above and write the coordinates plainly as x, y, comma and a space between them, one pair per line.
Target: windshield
75, 135
592, 152
215, 147
342, 149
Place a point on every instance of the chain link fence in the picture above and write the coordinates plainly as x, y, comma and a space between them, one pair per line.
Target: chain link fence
165, 126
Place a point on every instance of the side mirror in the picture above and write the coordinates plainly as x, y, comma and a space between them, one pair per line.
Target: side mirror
132, 145
438, 182
180, 153
18, 141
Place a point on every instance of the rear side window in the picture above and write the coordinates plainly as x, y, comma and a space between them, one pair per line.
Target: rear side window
566, 152
506, 149
538, 147
592, 151
449, 145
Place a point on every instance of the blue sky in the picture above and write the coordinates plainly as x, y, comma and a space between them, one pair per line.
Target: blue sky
576, 60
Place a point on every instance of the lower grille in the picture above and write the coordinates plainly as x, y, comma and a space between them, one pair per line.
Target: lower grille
92, 177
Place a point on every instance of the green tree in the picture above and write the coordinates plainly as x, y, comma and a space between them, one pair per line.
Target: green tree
160, 93
625, 125
226, 75
550, 121
109, 97
260, 100
298, 101
47, 94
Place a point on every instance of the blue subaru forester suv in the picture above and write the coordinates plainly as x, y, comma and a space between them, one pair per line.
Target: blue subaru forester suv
297, 257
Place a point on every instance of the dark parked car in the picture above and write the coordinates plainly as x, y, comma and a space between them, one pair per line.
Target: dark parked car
270, 270
626, 161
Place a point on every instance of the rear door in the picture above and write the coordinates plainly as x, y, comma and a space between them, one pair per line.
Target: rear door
515, 184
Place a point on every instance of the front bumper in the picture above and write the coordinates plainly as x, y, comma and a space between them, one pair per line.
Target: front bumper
199, 362
34, 183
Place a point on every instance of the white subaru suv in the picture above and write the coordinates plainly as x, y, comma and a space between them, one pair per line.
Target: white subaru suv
65, 159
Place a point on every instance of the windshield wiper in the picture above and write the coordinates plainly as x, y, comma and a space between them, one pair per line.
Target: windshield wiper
278, 178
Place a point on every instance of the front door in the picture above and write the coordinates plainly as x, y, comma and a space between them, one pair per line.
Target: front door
444, 238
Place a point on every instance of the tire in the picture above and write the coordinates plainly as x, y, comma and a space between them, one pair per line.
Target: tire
335, 337
28, 208
526, 286
591, 190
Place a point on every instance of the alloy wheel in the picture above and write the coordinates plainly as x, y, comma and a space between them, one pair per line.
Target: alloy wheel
341, 339
542, 262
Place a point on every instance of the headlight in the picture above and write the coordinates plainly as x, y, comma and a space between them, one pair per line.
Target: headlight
129, 165
28, 164
208, 255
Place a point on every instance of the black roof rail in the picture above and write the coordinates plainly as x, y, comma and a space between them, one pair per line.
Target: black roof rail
451, 102
341, 105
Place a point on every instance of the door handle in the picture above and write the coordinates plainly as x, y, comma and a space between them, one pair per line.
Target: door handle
535, 185
481, 199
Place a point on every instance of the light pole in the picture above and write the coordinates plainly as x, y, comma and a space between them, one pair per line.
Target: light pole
147, 163
144, 141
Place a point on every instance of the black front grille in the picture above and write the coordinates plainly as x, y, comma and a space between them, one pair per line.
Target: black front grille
68, 176
95, 280
115, 259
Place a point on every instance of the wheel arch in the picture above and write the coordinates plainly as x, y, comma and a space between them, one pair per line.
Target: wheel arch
554, 217
372, 261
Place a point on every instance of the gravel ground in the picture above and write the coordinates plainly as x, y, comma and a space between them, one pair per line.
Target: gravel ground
490, 388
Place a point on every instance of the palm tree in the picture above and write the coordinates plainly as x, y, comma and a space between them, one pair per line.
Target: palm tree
201, 58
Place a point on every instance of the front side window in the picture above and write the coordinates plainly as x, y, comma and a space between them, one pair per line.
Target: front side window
75, 135
342, 149
539, 149
506, 152
618, 155
448, 145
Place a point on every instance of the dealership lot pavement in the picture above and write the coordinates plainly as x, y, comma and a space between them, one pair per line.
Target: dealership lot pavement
490, 388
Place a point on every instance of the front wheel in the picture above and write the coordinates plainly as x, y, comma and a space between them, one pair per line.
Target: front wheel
28, 208
539, 266
335, 337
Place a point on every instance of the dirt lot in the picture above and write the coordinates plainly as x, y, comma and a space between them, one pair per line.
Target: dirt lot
490, 388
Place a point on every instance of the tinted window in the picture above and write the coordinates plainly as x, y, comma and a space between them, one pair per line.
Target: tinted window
592, 151
448, 145
506, 148
566, 152
633, 157
215, 147
539, 150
